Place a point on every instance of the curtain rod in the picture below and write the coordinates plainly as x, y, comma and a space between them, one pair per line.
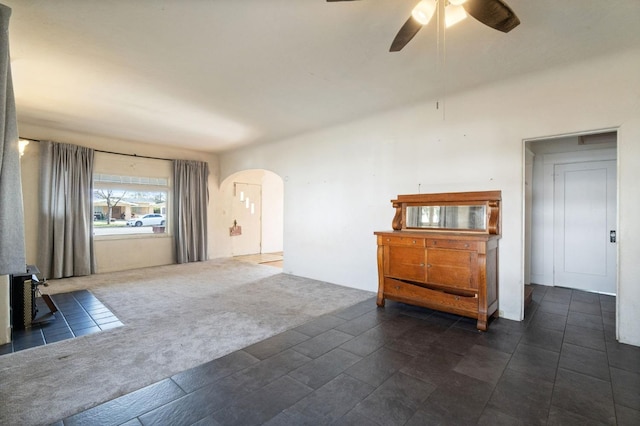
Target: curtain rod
110, 152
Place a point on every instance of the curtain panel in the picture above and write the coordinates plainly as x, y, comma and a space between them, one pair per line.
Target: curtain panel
191, 197
66, 218
12, 248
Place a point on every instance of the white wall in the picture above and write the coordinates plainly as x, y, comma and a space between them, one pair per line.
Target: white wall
529, 158
338, 182
5, 321
628, 300
112, 254
272, 212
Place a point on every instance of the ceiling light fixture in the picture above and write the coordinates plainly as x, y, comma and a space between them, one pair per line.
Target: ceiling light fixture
22, 144
495, 14
423, 12
454, 12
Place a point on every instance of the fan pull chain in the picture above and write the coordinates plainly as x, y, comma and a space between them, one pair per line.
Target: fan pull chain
441, 60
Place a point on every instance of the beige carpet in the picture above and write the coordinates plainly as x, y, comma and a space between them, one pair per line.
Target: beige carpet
270, 259
262, 258
176, 317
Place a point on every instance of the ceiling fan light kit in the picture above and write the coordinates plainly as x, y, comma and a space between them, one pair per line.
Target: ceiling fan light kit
423, 12
453, 14
492, 13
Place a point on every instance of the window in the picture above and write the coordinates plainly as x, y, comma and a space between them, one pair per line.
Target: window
135, 203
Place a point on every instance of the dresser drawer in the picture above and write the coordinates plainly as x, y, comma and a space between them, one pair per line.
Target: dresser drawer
405, 263
452, 244
401, 241
452, 268
434, 299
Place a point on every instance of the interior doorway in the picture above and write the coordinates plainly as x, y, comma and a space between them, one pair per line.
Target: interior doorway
246, 210
571, 211
254, 206
585, 226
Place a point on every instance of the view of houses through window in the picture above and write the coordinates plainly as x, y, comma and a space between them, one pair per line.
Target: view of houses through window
129, 205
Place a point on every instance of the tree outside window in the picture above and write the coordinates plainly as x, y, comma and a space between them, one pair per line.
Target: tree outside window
128, 205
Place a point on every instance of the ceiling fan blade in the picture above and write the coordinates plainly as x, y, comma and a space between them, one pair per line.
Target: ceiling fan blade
406, 33
493, 13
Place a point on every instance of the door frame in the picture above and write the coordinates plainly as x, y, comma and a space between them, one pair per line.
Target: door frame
527, 204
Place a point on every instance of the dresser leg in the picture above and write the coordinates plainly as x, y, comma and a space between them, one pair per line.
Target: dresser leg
482, 323
380, 301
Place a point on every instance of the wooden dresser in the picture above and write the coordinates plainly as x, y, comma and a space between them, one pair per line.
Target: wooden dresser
443, 253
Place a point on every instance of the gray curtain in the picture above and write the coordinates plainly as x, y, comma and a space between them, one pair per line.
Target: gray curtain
66, 218
12, 250
191, 196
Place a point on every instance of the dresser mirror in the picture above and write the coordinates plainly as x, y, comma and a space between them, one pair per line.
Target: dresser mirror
461, 212
459, 217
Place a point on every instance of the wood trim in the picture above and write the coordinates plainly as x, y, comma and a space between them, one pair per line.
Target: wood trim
449, 197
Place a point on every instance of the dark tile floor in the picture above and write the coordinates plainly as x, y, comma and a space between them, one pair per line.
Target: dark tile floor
404, 365
79, 313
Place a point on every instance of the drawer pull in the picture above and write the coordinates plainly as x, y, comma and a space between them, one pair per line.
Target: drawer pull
414, 241
397, 287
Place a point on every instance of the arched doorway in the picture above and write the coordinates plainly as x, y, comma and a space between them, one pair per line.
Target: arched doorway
254, 201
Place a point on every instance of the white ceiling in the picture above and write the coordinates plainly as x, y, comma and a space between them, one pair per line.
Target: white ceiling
213, 75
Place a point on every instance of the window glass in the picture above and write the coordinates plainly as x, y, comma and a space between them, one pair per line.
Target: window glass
126, 204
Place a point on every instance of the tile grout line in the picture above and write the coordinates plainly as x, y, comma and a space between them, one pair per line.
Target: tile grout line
63, 318
606, 348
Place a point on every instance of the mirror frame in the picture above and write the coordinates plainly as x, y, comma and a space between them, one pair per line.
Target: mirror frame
490, 199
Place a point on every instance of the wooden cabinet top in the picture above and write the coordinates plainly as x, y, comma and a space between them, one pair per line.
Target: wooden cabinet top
437, 235
450, 197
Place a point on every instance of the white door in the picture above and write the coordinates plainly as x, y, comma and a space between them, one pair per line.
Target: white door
584, 219
246, 212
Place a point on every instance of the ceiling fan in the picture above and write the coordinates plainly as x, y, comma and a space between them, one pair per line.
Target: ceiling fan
493, 13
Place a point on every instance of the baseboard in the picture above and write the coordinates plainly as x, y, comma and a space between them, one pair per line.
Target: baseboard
5, 336
528, 295
541, 279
